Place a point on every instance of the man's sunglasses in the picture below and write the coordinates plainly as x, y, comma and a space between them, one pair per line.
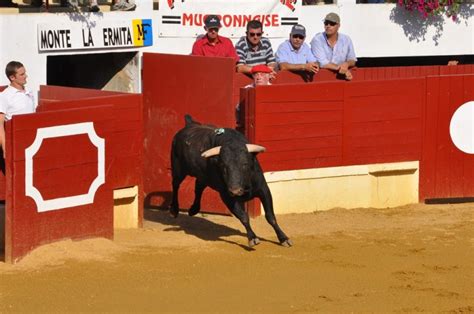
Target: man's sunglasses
298, 36
329, 23
213, 29
255, 34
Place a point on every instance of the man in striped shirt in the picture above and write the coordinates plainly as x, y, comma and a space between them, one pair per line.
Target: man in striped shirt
253, 49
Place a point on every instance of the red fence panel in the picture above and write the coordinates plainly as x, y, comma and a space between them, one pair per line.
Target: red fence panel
383, 121
457, 69
127, 140
299, 124
340, 123
173, 86
56, 165
445, 172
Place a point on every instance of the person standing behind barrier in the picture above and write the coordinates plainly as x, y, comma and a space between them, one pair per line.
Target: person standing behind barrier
253, 49
211, 44
294, 54
15, 99
261, 75
332, 49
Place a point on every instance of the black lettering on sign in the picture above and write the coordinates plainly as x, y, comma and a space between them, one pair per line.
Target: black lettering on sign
87, 40
117, 36
142, 31
56, 39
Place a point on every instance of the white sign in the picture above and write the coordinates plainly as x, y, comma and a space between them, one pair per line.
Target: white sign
185, 18
73, 200
114, 34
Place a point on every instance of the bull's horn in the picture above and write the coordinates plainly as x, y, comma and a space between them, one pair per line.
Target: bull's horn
211, 152
252, 148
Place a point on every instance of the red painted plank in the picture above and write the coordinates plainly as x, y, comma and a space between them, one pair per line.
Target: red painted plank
429, 154
49, 92
299, 117
330, 91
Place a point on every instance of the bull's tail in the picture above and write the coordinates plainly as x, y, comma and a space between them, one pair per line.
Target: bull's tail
188, 120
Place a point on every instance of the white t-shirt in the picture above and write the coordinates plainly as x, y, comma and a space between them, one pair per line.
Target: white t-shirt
14, 101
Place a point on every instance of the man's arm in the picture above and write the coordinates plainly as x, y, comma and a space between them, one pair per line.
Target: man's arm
345, 66
243, 68
308, 67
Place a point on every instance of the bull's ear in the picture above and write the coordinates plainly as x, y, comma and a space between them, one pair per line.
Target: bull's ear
211, 152
252, 148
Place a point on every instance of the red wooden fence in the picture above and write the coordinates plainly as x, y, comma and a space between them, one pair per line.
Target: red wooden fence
334, 124
445, 171
365, 122
173, 86
63, 167
41, 204
127, 142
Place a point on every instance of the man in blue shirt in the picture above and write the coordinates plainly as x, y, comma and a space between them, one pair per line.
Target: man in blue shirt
294, 54
332, 49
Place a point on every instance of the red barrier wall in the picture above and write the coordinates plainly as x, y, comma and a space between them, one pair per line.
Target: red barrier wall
340, 123
173, 86
127, 140
351, 123
446, 171
59, 172
56, 173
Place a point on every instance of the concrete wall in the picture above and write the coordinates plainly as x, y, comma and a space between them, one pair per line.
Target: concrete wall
377, 185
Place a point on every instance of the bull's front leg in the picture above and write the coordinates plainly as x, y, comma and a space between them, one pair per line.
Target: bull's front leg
265, 197
237, 209
198, 189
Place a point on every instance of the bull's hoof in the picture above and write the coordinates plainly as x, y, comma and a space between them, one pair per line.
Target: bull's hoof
193, 211
287, 243
253, 242
174, 212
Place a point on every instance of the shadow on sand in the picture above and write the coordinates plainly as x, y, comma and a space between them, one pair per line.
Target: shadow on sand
197, 226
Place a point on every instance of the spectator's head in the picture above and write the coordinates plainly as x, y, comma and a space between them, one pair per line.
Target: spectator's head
331, 24
254, 32
297, 36
261, 74
16, 73
212, 24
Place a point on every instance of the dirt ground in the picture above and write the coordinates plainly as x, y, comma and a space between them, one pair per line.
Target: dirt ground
408, 259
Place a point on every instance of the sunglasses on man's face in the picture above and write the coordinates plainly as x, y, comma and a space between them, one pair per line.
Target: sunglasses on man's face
329, 23
255, 34
213, 29
298, 36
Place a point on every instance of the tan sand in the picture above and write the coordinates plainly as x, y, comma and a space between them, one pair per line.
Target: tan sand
409, 259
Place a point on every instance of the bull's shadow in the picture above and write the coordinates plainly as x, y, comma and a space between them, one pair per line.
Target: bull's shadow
197, 226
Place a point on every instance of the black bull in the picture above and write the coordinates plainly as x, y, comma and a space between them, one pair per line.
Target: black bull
222, 159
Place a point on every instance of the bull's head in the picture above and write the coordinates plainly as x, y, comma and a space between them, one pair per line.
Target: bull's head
236, 164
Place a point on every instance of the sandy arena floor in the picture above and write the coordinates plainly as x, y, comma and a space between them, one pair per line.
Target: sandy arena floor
409, 259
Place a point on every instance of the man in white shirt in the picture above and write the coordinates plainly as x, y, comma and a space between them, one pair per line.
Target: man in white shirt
15, 99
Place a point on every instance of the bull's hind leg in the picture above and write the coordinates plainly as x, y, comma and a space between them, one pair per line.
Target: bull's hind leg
237, 209
174, 208
178, 174
198, 189
267, 202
